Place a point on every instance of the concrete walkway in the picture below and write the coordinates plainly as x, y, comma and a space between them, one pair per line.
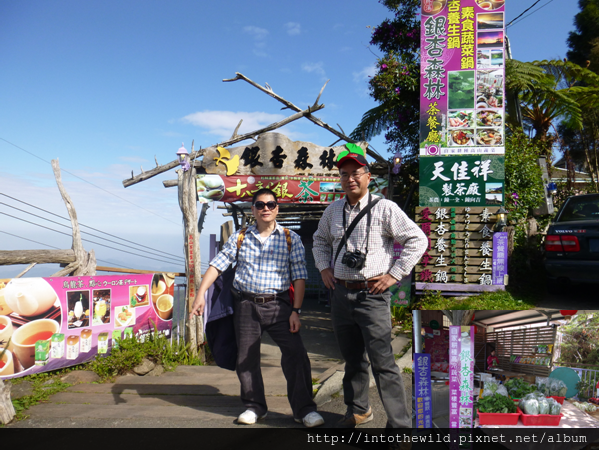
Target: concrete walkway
197, 396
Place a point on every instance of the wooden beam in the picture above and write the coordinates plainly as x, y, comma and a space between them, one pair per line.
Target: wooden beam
138, 271
9, 257
170, 183
158, 170
316, 120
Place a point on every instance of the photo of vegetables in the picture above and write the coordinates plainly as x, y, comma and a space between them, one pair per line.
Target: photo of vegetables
460, 89
462, 137
489, 118
489, 89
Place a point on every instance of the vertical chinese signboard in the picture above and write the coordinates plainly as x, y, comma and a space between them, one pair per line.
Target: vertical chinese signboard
59, 322
462, 142
462, 104
461, 376
422, 382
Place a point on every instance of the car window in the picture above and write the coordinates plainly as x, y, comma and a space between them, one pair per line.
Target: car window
580, 209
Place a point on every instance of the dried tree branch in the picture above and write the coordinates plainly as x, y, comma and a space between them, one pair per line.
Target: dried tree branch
236, 129
67, 270
31, 266
319, 94
156, 161
316, 120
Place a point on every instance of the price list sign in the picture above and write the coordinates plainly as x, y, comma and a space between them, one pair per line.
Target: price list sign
422, 380
461, 376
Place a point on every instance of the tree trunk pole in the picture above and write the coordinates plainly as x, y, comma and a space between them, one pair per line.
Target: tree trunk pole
188, 205
7, 411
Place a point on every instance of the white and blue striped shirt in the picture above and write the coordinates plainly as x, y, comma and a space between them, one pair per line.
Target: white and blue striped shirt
263, 268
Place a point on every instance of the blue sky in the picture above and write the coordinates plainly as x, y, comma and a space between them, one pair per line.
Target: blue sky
106, 86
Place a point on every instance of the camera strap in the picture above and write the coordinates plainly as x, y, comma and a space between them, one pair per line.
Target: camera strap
352, 225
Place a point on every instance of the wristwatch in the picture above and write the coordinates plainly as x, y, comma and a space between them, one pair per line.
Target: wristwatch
297, 310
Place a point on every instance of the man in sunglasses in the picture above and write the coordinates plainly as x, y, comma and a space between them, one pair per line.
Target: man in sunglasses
359, 282
265, 269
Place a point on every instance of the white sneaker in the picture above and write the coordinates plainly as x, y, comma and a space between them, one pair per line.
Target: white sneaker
249, 417
311, 420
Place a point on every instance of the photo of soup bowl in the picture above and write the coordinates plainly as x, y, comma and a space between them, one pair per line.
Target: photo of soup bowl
6, 330
164, 306
25, 337
158, 287
7, 365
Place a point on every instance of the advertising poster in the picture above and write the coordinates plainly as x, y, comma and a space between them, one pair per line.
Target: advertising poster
500, 244
462, 181
462, 80
461, 376
422, 382
288, 189
51, 323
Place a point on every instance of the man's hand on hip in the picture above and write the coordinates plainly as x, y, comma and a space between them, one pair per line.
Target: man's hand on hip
383, 282
328, 278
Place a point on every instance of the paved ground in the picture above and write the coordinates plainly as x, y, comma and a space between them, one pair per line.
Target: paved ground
205, 396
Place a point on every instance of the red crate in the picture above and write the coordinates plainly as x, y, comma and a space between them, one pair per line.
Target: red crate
541, 419
498, 418
560, 400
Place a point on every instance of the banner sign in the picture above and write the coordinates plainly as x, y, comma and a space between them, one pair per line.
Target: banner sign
51, 323
462, 103
462, 180
288, 189
422, 383
500, 245
461, 376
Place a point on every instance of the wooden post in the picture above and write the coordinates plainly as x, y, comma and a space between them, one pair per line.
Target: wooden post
7, 411
188, 204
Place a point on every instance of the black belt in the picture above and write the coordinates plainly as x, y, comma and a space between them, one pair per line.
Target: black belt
356, 284
260, 298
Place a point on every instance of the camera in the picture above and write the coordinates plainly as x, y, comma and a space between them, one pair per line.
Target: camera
354, 260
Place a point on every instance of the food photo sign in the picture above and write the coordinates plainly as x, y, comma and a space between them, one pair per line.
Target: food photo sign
51, 323
462, 80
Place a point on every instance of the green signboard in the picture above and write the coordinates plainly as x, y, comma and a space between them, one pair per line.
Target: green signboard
463, 180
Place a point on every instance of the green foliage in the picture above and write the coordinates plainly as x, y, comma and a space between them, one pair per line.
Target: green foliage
496, 403
401, 317
433, 300
407, 370
518, 388
130, 353
585, 389
580, 341
582, 40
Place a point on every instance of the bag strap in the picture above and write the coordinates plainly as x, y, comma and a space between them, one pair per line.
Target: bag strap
240, 239
353, 225
288, 239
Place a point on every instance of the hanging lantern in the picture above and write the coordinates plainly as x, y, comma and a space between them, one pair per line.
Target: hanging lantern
396, 163
568, 313
183, 155
501, 219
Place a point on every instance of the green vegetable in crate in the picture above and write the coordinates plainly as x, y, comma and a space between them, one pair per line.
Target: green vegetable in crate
530, 406
518, 388
496, 403
544, 407
556, 408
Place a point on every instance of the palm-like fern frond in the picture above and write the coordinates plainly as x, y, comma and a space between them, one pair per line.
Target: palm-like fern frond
373, 123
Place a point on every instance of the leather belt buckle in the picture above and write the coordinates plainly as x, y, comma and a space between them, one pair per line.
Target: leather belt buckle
260, 300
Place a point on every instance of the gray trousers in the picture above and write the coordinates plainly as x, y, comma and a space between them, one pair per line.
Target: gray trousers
251, 320
364, 327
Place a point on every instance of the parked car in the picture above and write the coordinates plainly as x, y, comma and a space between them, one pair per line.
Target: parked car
572, 241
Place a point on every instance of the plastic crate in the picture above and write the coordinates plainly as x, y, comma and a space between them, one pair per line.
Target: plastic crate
498, 418
541, 419
560, 400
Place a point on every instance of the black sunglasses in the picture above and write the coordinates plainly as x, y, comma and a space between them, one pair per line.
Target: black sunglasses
270, 205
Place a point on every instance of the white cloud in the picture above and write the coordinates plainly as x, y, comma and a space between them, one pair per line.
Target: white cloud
133, 159
293, 28
222, 123
314, 67
364, 74
256, 32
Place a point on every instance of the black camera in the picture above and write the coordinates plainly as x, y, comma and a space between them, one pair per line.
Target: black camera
354, 260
